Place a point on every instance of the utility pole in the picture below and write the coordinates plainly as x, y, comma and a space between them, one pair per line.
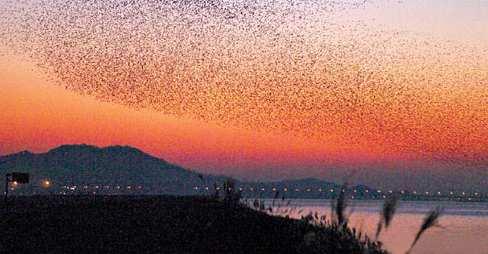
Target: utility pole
7, 181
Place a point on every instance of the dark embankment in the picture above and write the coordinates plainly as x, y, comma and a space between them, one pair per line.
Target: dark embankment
159, 224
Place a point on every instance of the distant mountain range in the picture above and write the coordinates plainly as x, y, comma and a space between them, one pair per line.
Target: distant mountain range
80, 169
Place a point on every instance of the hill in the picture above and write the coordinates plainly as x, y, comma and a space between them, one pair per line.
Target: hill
81, 169
85, 165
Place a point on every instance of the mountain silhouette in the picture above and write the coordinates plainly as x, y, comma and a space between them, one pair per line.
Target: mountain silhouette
127, 170
109, 166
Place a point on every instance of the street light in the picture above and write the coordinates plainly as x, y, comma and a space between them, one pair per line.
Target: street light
46, 184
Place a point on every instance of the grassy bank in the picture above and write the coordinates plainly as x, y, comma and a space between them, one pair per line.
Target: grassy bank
160, 224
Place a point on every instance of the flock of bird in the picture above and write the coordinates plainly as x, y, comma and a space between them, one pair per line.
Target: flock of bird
309, 67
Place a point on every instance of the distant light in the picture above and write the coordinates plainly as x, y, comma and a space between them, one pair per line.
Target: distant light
46, 183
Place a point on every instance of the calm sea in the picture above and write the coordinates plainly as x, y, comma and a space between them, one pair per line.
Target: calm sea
464, 225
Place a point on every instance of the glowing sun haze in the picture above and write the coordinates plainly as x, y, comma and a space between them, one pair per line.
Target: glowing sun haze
256, 89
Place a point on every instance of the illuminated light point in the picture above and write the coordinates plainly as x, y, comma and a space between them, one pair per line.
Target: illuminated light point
46, 183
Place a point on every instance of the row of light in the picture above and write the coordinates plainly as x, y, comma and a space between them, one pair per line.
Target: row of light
48, 184
118, 187
355, 191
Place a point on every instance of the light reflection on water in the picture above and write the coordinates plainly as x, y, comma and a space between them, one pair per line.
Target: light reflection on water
464, 225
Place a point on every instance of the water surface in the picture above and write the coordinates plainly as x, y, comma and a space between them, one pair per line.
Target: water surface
463, 225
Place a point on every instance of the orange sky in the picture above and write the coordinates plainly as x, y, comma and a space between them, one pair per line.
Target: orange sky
39, 115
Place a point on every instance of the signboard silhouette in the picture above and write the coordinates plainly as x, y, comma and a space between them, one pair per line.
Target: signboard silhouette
19, 177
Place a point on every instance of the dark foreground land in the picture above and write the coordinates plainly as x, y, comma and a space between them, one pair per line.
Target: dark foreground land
159, 224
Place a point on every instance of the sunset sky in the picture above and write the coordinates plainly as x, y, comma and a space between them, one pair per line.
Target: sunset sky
395, 92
